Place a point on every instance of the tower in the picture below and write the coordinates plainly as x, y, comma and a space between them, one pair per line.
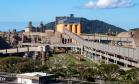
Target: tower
29, 28
41, 27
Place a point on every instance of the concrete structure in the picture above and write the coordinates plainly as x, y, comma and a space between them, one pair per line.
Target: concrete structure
23, 49
29, 28
122, 49
125, 56
37, 37
71, 23
111, 40
34, 78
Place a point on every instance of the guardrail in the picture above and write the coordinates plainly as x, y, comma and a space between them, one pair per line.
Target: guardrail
122, 51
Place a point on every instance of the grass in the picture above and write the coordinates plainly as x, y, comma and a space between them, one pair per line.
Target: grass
68, 59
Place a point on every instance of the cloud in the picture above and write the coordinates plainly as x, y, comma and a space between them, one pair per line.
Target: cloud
108, 4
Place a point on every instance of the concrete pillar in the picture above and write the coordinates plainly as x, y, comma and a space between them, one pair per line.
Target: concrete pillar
22, 41
92, 56
63, 40
37, 39
35, 55
26, 55
115, 61
100, 57
106, 58
66, 50
72, 49
84, 54
125, 65
32, 39
43, 58
95, 57
82, 51
76, 50
89, 55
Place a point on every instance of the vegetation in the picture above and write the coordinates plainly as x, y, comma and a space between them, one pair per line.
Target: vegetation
16, 65
66, 66
108, 71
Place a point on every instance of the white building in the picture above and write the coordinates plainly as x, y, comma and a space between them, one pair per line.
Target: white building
34, 78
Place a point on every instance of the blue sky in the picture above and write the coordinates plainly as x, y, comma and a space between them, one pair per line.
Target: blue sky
125, 15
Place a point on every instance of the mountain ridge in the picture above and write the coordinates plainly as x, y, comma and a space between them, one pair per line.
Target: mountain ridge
92, 26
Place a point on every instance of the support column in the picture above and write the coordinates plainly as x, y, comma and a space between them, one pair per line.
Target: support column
115, 61
85, 53
100, 57
125, 65
43, 58
95, 55
37, 39
26, 55
35, 55
90, 55
106, 58
82, 50
22, 41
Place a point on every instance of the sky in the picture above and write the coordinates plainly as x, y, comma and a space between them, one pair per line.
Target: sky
17, 13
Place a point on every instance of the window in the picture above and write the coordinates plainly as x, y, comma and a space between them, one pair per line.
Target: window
35, 81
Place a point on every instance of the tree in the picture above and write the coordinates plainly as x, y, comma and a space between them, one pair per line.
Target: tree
81, 71
25, 67
130, 76
108, 72
16, 65
90, 74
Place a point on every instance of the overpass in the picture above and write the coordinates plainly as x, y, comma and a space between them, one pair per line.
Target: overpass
51, 45
36, 47
111, 38
125, 55
19, 50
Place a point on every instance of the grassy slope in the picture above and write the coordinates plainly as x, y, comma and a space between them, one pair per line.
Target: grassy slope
67, 59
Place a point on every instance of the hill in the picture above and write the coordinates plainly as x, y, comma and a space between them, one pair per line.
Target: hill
92, 26
134, 29
97, 26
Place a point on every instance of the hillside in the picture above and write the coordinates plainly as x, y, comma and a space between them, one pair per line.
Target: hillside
134, 29
50, 25
92, 26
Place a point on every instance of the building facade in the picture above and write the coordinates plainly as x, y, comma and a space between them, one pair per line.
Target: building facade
69, 22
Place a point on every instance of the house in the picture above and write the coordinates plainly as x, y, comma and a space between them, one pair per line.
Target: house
35, 78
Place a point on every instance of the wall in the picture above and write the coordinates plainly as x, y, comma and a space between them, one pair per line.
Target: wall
25, 81
75, 28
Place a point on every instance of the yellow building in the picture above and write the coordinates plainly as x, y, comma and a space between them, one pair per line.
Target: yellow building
71, 23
